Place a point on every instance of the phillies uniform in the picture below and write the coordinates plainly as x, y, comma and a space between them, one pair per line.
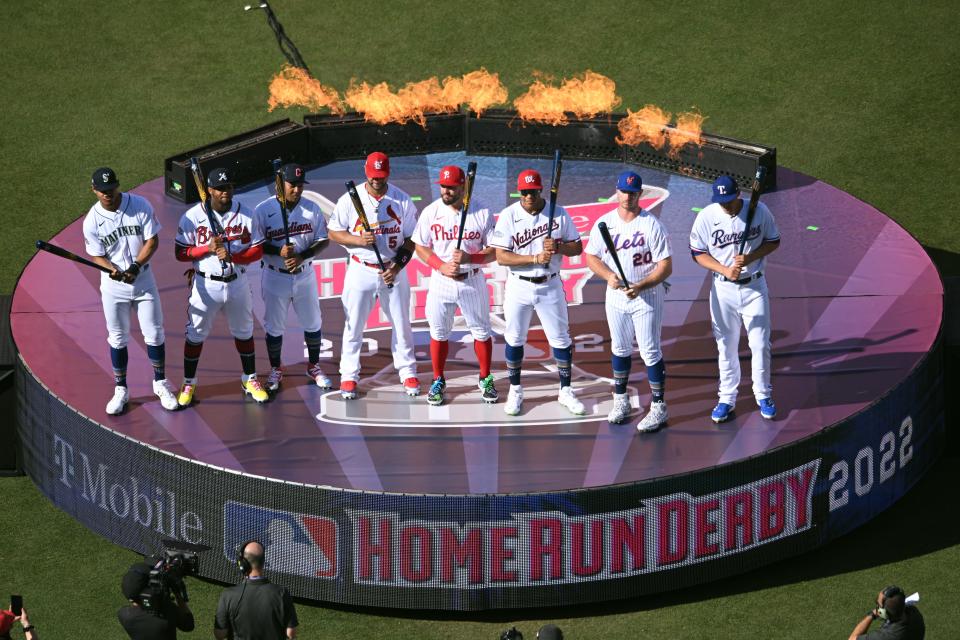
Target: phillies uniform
745, 301
119, 236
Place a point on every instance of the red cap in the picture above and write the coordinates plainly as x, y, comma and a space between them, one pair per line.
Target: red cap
529, 179
6, 621
377, 165
451, 176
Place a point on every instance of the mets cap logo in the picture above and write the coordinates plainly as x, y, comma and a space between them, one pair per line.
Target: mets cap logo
631, 180
294, 543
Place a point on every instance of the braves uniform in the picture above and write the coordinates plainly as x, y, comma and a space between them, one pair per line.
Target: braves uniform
119, 236
744, 301
392, 219
281, 287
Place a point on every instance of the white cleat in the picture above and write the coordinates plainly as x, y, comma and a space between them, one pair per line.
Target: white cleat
655, 418
567, 399
319, 377
274, 379
119, 401
621, 409
514, 400
162, 389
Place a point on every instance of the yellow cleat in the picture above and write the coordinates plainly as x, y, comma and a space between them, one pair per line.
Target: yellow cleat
186, 394
253, 388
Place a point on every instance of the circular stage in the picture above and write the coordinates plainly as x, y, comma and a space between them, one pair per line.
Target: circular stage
387, 501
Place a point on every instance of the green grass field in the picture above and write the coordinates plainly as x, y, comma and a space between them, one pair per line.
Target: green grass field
857, 94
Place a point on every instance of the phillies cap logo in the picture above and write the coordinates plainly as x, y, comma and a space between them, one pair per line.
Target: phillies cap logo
446, 175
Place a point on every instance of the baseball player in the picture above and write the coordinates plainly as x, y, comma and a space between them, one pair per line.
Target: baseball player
288, 275
739, 292
219, 280
458, 280
534, 253
634, 311
392, 217
120, 233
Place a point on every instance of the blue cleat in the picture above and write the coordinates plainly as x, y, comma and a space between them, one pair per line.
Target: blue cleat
722, 412
767, 409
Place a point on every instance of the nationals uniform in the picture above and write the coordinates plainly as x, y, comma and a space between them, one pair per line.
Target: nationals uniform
280, 286
392, 218
716, 234
120, 232
641, 246
220, 283
437, 231
532, 286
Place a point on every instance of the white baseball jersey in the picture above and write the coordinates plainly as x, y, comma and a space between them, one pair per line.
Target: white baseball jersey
523, 233
640, 243
392, 218
439, 225
120, 235
718, 233
305, 223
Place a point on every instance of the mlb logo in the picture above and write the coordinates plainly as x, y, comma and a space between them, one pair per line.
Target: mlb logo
294, 543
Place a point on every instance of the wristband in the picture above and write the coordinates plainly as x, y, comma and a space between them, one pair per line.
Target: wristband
435, 261
29, 627
402, 257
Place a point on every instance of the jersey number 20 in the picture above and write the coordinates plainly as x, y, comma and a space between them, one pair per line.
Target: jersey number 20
642, 257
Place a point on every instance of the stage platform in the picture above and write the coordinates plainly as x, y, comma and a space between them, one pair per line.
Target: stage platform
387, 501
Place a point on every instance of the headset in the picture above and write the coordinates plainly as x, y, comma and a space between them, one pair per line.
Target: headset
242, 562
889, 592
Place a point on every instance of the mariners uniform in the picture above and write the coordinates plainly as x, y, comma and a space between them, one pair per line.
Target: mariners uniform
436, 236
532, 286
392, 218
740, 300
280, 286
219, 283
641, 246
121, 231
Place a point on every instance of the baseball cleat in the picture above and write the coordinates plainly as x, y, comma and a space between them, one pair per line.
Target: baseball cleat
489, 392
567, 399
655, 418
348, 389
514, 400
435, 395
411, 386
186, 393
161, 388
767, 409
255, 390
620, 410
273, 380
318, 376
722, 412
119, 401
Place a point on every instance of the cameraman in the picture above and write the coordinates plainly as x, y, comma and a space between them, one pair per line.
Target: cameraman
901, 621
255, 609
141, 624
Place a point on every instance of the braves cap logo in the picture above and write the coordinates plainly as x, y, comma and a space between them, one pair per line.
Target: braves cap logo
222, 176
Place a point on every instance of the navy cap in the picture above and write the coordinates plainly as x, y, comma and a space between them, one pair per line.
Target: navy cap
104, 179
725, 189
629, 182
219, 177
293, 173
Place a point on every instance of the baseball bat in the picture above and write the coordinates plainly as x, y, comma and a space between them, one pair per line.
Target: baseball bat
282, 199
361, 214
607, 240
554, 188
471, 176
752, 207
69, 255
205, 203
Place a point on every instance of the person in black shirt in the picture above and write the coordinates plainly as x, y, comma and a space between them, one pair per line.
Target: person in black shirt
255, 609
901, 621
147, 625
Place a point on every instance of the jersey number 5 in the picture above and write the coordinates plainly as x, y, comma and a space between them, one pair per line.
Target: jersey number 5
392, 243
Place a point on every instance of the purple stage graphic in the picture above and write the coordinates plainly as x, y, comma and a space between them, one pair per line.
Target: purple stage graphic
471, 506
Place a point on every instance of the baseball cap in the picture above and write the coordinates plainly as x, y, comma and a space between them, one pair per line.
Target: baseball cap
6, 621
377, 165
293, 173
451, 176
104, 179
135, 580
725, 189
529, 179
629, 182
219, 177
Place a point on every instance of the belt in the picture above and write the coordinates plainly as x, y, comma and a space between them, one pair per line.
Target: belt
292, 273
466, 274
229, 278
372, 265
741, 281
537, 279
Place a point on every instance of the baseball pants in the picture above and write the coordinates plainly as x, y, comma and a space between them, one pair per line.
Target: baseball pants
640, 318
470, 295
142, 296
209, 297
522, 298
730, 306
280, 290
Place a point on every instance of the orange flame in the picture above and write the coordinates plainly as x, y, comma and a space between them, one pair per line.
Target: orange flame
478, 90
688, 130
646, 125
585, 97
294, 87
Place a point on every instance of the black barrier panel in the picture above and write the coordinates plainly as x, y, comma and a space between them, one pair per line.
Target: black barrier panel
474, 552
350, 136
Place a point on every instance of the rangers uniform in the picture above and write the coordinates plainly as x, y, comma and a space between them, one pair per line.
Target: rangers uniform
642, 247
280, 286
436, 237
392, 218
744, 299
219, 283
532, 286
120, 232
